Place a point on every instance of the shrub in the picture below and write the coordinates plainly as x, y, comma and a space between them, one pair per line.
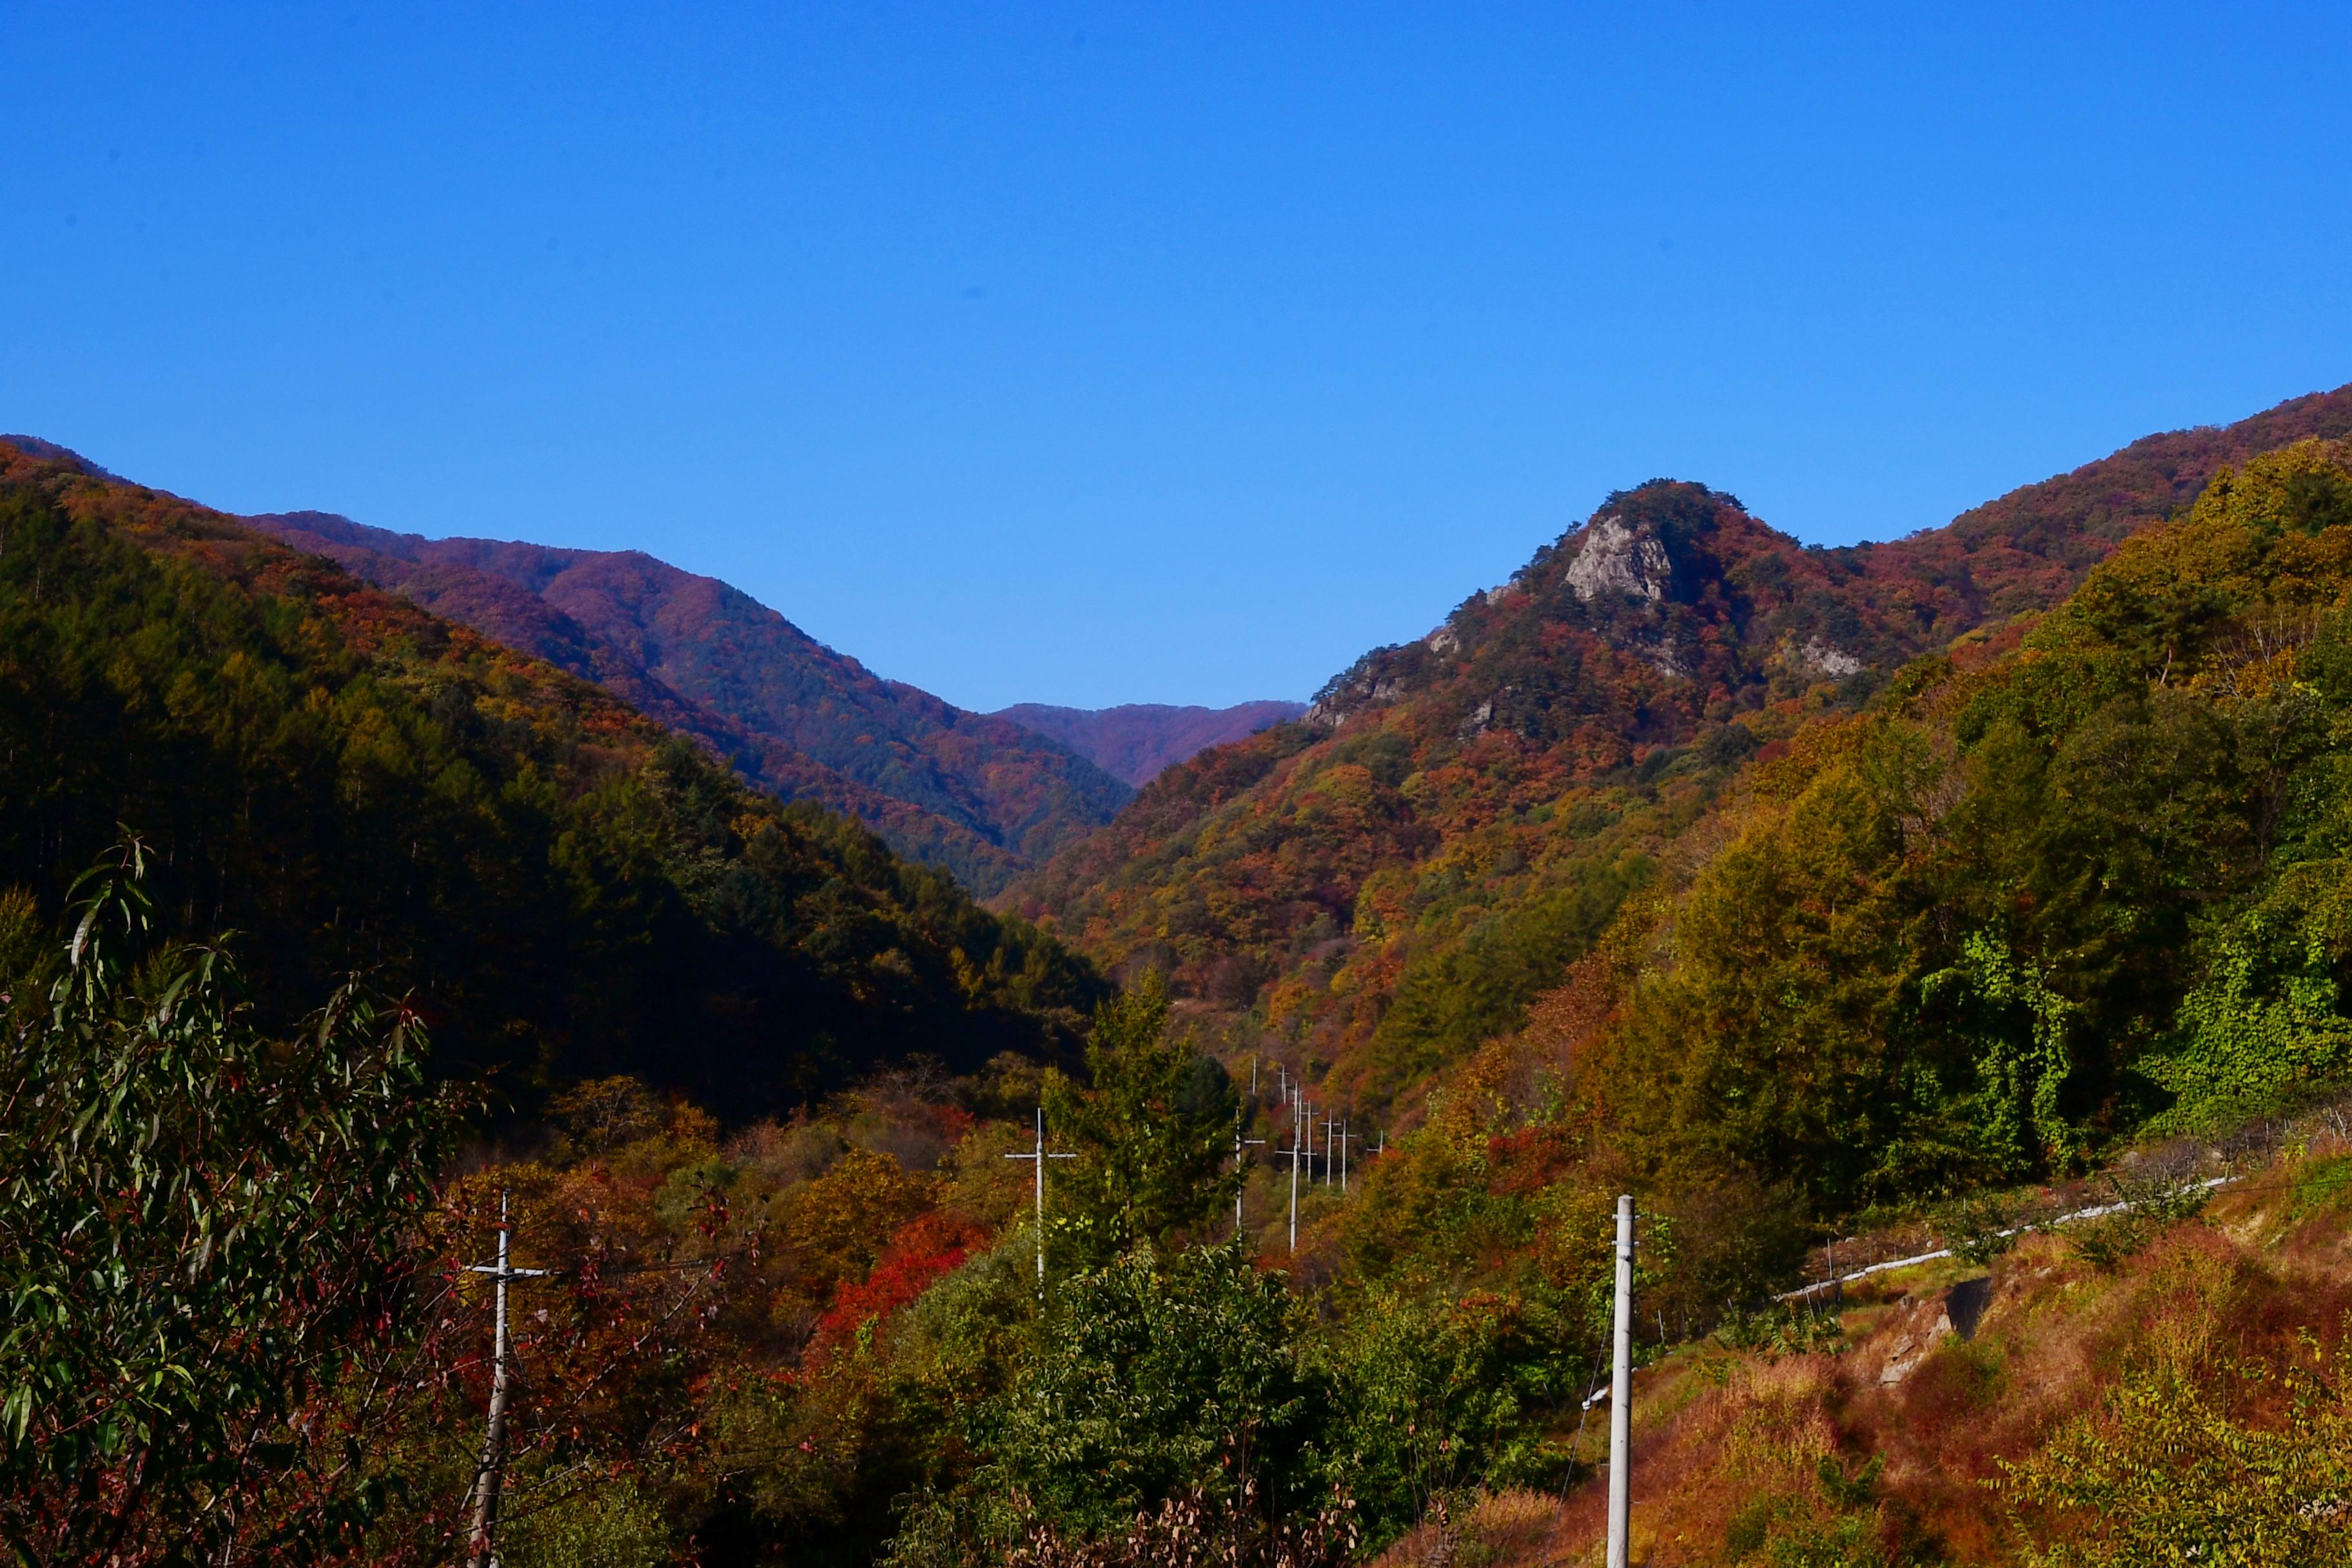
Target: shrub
203, 1229
2147, 1204
2166, 1471
1158, 1378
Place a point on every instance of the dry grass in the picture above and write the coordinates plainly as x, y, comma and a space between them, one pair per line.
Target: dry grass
1732, 1450
1507, 1527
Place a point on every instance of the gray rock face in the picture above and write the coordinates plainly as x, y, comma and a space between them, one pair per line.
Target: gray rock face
1615, 559
1956, 1315
1826, 658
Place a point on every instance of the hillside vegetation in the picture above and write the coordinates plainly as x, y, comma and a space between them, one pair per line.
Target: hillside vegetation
350, 782
1921, 953
974, 794
1370, 893
2168, 1390
2013, 912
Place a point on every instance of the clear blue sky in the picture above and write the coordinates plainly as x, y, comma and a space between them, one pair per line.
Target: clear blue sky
1172, 352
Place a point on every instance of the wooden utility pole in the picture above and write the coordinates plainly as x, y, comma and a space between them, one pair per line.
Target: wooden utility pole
480, 1552
1621, 1395
1040, 1156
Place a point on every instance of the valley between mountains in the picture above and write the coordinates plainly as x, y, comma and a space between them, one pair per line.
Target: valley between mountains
1180, 1137
982, 795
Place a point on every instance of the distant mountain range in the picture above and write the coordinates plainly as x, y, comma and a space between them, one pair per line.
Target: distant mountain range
985, 796
1137, 740
982, 795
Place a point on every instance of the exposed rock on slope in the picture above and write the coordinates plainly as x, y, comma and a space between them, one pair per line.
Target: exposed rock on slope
1615, 559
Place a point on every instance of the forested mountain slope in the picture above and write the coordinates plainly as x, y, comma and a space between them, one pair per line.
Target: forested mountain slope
1934, 956
974, 792
1379, 888
1138, 742
2018, 909
352, 782
1917, 971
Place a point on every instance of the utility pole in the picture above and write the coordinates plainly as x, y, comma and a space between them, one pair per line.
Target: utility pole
1346, 1138
1621, 1395
1297, 1109
480, 1552
1253, 1076
1329, 1174
1041, 1157
1238, 1141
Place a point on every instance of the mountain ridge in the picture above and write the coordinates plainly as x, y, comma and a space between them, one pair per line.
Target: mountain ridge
975, 793
1134, 741
1374, 889
560, 884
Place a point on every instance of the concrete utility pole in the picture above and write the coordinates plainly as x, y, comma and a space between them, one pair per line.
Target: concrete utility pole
1238, 1141
1621, 1395
479, 1550
1346, 1138
1297, 1111
1041, 1157
1329, 1174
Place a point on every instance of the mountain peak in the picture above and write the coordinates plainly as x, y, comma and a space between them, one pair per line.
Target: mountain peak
1381, 888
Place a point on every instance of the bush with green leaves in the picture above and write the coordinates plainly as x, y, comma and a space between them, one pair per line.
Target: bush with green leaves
596, 1521
2139, 1205
1981, 1226
206, 1231
2262, 1029
1152, 1129
1437, 1397
1791, 1328
2176, 1465
1159, 1376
